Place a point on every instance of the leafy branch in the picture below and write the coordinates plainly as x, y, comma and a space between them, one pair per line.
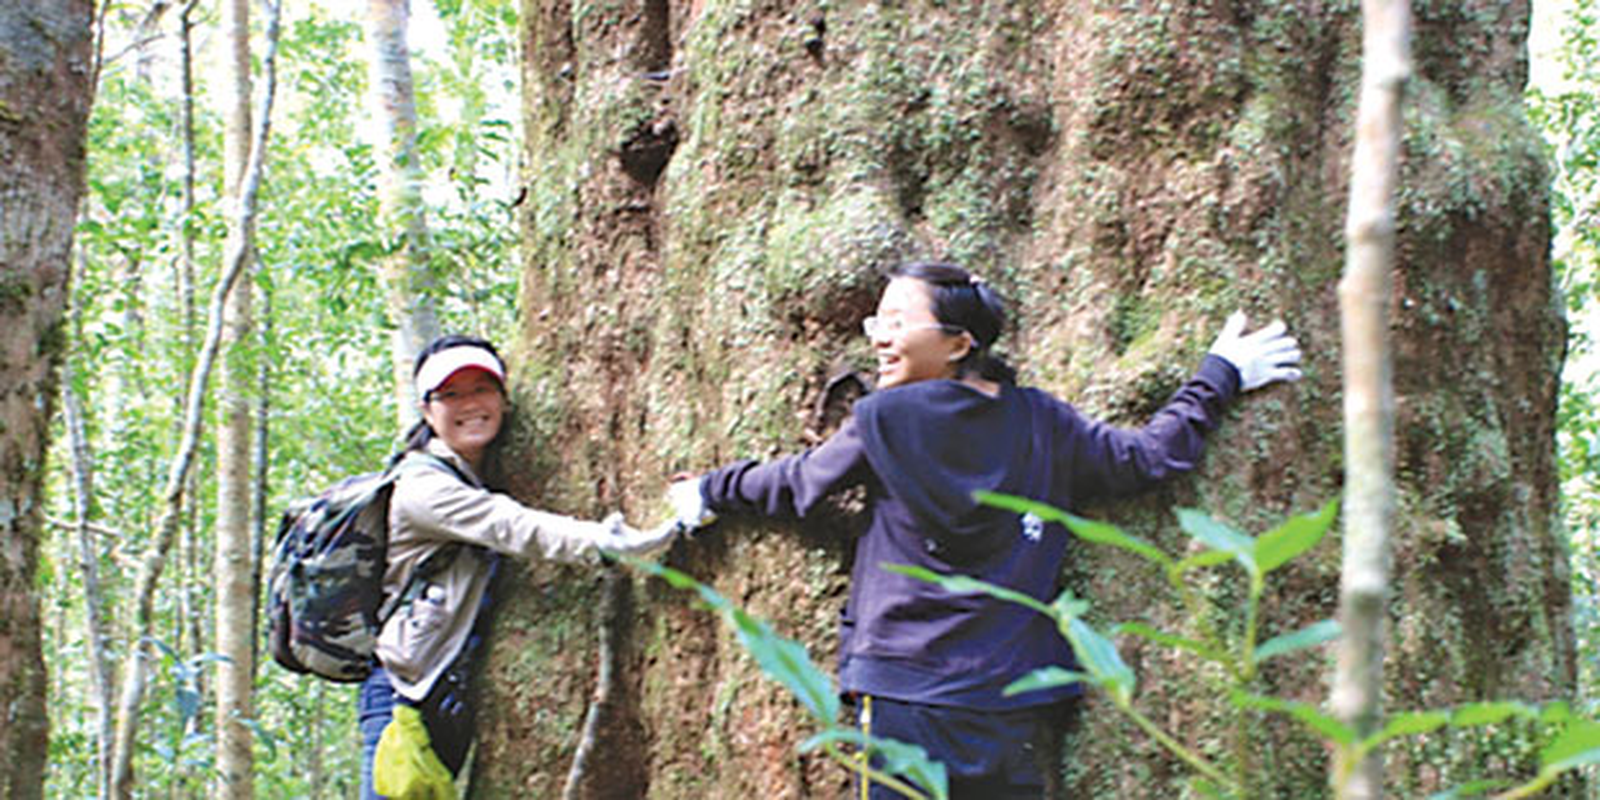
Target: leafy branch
906, 768
1100, 666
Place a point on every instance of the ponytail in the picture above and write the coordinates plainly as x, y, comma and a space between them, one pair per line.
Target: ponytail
963, 300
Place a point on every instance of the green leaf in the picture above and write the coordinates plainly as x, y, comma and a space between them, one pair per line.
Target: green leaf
1325, 725
961, 584
1490, 713
1557, 713
900, 759
1099, 656
1219, 536
1044, 678
1299, 534
1309, 636
1085, 529
1208, 789
678, 580
1472, 789
782, 659
1577, 746
788, 662
1144, 631
1202, 560
1411, 723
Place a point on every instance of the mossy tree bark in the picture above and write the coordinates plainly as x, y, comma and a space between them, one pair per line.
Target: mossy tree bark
712, 188
46, 88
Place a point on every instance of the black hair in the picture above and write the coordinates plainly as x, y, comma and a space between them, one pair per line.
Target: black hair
421, 433
963, 300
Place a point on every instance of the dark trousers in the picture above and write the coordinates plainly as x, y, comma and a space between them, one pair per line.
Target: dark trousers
988, 755
446, 711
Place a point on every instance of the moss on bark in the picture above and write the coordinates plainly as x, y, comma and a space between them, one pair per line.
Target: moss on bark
1128, 173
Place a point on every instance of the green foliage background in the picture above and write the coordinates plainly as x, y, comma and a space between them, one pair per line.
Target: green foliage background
323, 344
326, 337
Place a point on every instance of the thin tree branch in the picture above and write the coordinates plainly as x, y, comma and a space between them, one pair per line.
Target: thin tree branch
150, 570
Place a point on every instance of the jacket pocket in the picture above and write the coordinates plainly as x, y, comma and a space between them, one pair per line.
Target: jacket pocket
414, 637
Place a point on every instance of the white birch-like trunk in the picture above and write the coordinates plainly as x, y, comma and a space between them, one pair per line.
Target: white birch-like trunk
232, 539
100, 666
403, 219
1368, 388
235, 258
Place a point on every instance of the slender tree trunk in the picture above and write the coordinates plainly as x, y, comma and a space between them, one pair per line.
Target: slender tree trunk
100, 666
404, 221
46, 90
235, 259
185, 282
1368, 388
262, 464
233, 569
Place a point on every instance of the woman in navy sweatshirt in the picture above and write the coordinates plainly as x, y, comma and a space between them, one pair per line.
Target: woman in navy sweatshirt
924, 665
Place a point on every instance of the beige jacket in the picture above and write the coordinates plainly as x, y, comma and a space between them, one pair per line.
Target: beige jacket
430, 511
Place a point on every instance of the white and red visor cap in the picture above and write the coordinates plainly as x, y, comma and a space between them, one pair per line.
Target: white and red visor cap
443, 365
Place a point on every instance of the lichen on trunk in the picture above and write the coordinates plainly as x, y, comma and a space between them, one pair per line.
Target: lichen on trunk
712, 188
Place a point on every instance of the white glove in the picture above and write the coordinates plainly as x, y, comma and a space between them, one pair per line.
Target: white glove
619, 537
1262, 357
688, 505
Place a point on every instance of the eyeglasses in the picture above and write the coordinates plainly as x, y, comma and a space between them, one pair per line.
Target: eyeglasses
879, 327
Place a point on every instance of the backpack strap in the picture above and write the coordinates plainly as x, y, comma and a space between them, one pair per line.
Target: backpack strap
446, 555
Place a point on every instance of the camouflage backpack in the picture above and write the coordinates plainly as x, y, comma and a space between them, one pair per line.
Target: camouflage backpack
325, 603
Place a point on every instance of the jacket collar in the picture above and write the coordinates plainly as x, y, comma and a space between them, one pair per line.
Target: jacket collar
437, 447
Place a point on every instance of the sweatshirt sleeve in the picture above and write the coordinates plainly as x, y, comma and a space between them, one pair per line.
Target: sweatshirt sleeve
437, 506
789, 486
1104, 460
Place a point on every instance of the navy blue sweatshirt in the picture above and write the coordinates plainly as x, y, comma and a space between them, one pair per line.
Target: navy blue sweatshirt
923, 449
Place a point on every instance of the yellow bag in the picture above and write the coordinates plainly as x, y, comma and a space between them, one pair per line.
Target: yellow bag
405, 767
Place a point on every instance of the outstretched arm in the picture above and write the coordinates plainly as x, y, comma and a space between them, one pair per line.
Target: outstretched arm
1108, 460
788, 486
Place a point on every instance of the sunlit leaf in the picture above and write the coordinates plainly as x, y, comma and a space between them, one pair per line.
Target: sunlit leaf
1309, 636
1218, 536
1324, 724
1410, 723
1490, 713
1578, 745
1295, 536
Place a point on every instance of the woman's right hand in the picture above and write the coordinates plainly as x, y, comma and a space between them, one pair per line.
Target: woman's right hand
688, 504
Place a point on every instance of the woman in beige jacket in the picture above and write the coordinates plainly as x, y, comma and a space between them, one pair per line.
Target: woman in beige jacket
447, 532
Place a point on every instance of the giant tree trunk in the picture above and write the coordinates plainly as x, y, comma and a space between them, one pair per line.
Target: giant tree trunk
711, 188
235, 575
45, 94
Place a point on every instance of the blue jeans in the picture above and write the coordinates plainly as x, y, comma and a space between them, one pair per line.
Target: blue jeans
374, 708
988, 755
446, 711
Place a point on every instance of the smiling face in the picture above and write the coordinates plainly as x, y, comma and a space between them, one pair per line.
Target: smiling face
466, 411
910, 343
